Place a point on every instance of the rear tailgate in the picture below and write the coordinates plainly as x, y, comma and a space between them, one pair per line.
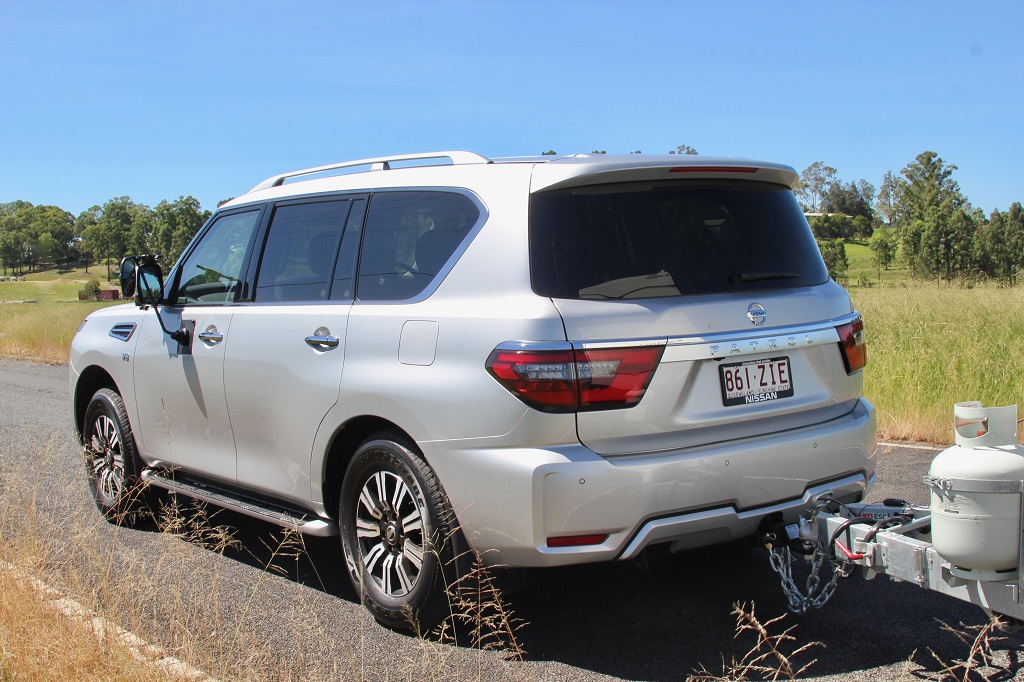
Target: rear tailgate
780, 377
720, 268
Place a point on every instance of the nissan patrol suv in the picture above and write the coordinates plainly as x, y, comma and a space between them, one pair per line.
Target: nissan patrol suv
547, 361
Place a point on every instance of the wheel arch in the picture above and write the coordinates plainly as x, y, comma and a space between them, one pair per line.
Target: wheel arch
343, 446
92, 379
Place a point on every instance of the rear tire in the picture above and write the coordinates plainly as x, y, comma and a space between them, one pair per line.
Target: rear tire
111, 461
398, 534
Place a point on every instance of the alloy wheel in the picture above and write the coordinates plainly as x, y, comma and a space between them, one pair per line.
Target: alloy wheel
390, 533
106, 460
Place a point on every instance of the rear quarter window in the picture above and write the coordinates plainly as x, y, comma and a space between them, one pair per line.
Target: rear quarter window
644, 240
407, 240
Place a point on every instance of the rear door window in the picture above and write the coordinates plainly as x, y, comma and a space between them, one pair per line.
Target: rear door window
646, 240
301, 248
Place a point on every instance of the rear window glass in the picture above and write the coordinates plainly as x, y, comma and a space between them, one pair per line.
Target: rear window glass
644, 240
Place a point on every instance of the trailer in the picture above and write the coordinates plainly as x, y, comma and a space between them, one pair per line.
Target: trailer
966, 544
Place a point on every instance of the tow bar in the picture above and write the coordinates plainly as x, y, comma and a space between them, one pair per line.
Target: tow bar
967, 544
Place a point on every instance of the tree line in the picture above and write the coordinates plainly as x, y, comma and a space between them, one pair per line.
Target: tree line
31, 236
919, 216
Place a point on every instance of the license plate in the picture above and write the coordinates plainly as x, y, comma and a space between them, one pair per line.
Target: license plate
755, 381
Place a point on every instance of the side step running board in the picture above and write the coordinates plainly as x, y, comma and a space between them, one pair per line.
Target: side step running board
305, 524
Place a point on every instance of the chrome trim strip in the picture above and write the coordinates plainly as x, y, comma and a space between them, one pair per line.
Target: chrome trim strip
823, 325
538, 346
750, 344
723, 345
621, 343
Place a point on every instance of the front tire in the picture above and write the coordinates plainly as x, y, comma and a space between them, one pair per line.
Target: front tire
111, 462
398, 534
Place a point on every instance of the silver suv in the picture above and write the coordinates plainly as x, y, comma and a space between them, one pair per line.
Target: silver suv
549, 360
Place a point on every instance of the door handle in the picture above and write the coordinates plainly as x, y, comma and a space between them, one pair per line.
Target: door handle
211, 335
322, 339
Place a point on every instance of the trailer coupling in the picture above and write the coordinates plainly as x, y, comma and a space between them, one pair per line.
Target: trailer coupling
886, 538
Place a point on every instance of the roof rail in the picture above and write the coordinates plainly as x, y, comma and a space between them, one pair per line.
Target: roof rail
379, 163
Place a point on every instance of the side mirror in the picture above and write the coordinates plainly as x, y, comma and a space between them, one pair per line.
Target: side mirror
126, 277
150, 284
140, 278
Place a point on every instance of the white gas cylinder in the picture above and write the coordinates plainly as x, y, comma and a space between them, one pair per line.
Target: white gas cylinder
976, 493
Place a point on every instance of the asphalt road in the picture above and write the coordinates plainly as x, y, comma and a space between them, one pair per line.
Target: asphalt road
293, 609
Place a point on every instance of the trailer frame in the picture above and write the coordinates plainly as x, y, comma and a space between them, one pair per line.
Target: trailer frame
889, 538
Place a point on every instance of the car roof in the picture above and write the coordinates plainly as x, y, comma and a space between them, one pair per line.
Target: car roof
549, 171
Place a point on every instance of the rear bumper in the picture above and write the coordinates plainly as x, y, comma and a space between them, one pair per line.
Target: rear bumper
712, 526
511, 500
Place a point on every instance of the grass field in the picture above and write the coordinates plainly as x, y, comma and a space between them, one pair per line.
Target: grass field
39, 317
929, 345
862, 268
933, 344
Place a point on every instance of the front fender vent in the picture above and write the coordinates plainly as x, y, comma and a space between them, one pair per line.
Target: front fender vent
123, 330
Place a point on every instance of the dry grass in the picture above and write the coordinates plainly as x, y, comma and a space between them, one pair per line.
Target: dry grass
980, 662
41, 638
39, 318
175, 600
197, 604
771, 657
775, 652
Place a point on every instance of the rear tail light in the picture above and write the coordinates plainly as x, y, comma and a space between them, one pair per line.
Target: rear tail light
853, 345
571, 379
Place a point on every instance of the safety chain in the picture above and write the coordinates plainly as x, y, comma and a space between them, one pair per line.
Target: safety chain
815, 593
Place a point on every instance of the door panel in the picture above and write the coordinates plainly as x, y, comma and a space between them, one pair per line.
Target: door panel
283, 369
180, 393
180, 389
279, 387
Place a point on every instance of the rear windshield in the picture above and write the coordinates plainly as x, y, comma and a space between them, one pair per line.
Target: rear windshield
644, 240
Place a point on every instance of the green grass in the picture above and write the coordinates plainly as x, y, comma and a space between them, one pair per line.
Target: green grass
930, 346
858, 255
39, 317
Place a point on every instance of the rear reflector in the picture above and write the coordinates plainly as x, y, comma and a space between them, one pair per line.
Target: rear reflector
572, 379
853, 345
576, 540
713, 169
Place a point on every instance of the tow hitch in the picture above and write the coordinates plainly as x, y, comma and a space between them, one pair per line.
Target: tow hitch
827, 539
965, 544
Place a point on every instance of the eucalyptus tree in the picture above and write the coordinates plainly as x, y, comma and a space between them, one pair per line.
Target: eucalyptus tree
813, 184
176, 223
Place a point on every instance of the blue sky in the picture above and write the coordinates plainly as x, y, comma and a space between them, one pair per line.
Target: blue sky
159, 99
